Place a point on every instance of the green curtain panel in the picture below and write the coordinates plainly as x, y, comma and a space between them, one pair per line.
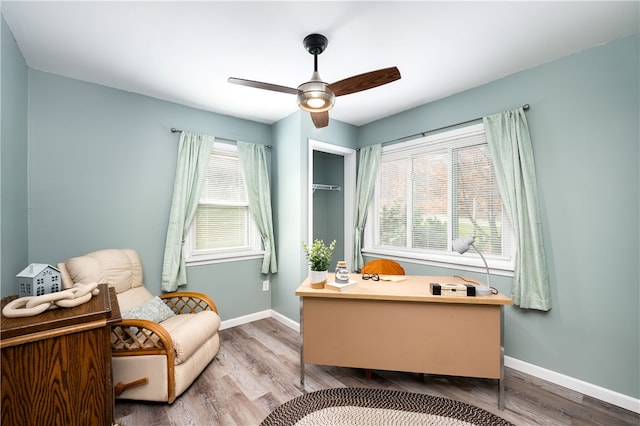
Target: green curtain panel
510, 145
193, 156
253, 162
366, 182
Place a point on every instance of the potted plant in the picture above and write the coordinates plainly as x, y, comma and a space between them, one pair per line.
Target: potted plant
319, 257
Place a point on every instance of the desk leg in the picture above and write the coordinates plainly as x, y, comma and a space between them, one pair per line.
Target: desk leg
501, 383
301, 342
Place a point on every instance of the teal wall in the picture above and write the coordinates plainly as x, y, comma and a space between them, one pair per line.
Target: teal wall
289, 212
101, 164
101, 171
584, 124
291, 191
13, 160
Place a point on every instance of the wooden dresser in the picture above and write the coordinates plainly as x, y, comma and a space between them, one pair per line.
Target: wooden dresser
56, 366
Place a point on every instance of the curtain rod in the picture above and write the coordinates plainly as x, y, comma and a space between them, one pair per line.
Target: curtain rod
174, 130
424, 133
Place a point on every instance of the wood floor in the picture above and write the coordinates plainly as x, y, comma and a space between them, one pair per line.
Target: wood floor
257, 369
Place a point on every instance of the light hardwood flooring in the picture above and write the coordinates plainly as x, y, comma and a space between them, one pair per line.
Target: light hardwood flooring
257, 369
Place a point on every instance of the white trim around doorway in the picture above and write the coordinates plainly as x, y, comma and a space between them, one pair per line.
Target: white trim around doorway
349, 189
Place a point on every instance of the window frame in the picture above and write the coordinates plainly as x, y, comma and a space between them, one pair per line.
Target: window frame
469, 261
254, 250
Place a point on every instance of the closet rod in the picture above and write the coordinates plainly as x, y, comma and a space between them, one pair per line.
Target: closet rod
325, 187
174, 130
423, 134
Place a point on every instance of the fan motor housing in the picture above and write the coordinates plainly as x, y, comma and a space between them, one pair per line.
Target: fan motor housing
315, 43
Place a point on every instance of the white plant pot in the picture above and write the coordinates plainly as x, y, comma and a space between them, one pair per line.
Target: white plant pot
317, 278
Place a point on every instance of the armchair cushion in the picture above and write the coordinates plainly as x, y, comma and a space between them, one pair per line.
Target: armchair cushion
190, 331
121, 268
134, 297
154, 310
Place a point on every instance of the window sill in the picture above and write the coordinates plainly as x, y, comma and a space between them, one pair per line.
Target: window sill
207, 260
471, 263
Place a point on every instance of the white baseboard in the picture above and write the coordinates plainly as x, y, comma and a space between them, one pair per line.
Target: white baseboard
269, 313
577, 385
285, 320
595, 391
233, 322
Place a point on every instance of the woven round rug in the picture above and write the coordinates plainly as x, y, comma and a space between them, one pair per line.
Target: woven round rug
359, 406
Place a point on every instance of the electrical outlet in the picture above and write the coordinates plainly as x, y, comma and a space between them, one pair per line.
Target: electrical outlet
265, 285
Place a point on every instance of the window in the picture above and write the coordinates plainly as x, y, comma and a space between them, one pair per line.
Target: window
223, 227
433, 190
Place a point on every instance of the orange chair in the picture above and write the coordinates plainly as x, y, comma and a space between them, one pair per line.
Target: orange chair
382, 267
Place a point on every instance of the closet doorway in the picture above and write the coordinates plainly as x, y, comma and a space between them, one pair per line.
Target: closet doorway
332, 190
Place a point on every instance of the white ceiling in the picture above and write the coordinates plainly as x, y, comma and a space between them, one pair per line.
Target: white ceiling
184, 52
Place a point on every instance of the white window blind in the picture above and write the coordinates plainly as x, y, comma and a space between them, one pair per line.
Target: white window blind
223, 226
433, 190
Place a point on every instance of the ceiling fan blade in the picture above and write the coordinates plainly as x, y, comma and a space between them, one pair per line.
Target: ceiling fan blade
365, 81
320, 119
261, 85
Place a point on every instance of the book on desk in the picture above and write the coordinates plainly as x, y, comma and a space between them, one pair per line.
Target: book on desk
392, 278
340, 286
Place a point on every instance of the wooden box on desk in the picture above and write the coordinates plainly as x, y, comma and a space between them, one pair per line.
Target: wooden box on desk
56, 366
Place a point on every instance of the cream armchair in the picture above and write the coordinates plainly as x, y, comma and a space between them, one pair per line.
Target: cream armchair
165, 342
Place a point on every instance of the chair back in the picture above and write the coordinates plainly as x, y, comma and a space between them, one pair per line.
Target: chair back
382, 267
120, 268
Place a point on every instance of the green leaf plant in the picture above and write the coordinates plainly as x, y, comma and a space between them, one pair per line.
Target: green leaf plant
319, 255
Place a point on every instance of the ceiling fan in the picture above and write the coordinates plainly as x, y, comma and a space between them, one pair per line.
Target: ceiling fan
315, 95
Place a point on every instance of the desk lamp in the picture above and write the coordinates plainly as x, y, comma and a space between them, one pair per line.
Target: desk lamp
462, 245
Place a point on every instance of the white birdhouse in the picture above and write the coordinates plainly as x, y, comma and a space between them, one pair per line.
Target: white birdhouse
38, 279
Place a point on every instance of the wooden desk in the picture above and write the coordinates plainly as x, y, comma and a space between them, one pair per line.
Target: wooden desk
402, 327
56, 366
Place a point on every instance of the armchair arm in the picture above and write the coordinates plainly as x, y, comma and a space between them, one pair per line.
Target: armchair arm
187, 302
140, 337
136, 337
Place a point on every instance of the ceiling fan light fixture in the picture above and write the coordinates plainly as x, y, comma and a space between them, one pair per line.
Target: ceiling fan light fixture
315, 96
316, 101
